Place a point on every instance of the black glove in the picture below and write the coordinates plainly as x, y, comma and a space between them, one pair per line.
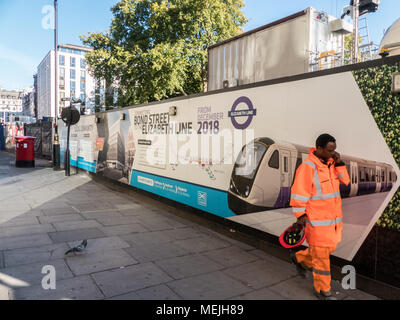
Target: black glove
301, 221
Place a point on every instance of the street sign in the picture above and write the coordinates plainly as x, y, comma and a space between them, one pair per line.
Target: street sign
70, 115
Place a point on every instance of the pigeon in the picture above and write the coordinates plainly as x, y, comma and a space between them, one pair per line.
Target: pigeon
79, 248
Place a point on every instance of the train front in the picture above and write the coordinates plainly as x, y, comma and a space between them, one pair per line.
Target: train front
245, 194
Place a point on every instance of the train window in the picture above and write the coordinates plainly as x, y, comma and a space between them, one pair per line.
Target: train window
373, 175
249, 160
383, 176
367, 177
274, 160
285, 164
362, 175
298, 163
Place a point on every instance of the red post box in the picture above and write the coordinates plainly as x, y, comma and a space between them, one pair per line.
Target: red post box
25, 152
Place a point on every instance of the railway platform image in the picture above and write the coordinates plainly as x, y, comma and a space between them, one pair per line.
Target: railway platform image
358, 212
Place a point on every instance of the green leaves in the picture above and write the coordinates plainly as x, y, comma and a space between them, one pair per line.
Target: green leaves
375, 85
157, 49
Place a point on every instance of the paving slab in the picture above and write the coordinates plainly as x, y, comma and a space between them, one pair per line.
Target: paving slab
159, 223
261, 294
24, 241
230, 256
114, 221
121, 281
78, 288
126, 296
5, 293
160, 292
146, 238
75, 225
87, 263
25, 230
2, 264
209, 286
75, 235
295, 288
102, 244
34, 254
58, 210
181, 233
201, 244
31, 274
261, 273
20, 221
60, 218
189, 265
101, 214
155, 251
123, 229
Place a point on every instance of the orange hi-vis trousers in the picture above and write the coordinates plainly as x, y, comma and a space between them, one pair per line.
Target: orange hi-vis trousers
317, 260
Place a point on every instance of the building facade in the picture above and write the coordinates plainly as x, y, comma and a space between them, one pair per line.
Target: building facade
10, 103
74, 81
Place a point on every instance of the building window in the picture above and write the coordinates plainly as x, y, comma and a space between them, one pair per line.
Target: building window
72, 74
83, 63
83, 85
73, 62
72, 94
62, 60
72, 85
83, 75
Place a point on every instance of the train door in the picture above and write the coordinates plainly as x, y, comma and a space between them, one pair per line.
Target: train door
286, 176
378, 179
353, 178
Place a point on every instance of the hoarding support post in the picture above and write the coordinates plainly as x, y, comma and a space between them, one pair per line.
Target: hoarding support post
67, 155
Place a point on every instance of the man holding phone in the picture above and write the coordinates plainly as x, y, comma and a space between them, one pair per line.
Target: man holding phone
317, 205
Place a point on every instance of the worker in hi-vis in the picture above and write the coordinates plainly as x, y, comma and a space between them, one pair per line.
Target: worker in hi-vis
317, 205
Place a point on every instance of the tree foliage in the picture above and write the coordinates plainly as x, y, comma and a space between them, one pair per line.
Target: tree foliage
156, 49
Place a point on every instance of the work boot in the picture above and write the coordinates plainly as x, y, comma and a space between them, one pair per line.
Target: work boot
324, 295
302, 272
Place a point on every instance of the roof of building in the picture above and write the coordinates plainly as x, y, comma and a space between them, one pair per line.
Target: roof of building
269, 25
73, 46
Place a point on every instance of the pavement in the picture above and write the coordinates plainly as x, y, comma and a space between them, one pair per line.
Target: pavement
138, 248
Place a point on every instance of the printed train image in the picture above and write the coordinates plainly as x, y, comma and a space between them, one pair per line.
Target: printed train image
264, 172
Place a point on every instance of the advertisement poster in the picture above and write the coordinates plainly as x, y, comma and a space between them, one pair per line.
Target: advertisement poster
234, 153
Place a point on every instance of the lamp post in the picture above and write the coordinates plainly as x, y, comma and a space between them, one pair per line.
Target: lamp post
356, 17
56, 144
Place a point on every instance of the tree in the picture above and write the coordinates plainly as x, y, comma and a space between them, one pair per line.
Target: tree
157, 49
349, 45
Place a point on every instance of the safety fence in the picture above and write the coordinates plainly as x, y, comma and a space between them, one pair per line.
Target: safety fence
42, 131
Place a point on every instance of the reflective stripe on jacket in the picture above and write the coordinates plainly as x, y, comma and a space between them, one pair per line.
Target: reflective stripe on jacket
316, 192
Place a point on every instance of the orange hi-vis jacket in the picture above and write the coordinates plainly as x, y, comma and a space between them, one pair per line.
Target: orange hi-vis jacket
315, 192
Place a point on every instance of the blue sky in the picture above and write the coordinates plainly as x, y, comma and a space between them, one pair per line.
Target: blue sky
24, 42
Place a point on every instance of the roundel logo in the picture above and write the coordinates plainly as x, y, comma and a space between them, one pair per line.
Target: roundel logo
247, 114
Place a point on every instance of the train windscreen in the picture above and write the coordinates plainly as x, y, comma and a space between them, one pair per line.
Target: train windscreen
246, 167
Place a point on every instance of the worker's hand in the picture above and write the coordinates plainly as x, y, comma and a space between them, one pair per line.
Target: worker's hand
301, 221
336, 157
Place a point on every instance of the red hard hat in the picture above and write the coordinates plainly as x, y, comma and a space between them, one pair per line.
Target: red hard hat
293, 236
